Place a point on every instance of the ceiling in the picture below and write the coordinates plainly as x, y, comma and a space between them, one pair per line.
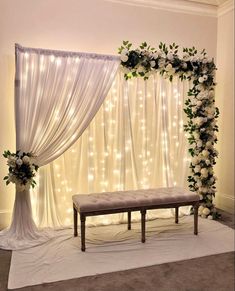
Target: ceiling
210, 2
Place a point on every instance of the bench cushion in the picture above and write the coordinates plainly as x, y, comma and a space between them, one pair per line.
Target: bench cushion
132, 198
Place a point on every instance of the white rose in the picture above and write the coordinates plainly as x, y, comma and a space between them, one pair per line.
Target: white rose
211, 93
19, 162
208, 162
169, 67
194, 109
124, 58
199, 183
210, 217
199, 144
199, 103
152, 64
124, 52
184, 65
201, 80
205, 153
204, 172
199, 87
197, 169
195, 160
161, 63
155, 55
209, 144
206, 211
170, 56
140, 69
196, 135
200, 209
26, 159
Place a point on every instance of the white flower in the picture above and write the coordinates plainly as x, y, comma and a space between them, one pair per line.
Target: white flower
170, 69
199, 144
170, 56
206, 211
205, 153
208, 162
199, 103
210, 217
161, 63
152, 64
19, 162
124, 52
195, 160
211, 94
209, 144
204, 172
205, 77
197, 169
196, 135
199, 183
140, 69
201, 80
124, 58
194, 109
26, 159
200, 209
199, 87
155, 55
184, 65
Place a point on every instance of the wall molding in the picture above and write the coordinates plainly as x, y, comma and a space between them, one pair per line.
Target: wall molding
4, 211
225, 7
180, 6
225, 202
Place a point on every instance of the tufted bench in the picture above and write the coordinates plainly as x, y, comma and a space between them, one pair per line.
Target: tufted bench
134, 200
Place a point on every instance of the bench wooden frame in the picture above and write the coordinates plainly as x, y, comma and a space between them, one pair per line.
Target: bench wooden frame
142, 210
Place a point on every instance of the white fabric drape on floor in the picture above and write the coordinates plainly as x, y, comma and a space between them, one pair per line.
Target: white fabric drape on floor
57, 94
135, 141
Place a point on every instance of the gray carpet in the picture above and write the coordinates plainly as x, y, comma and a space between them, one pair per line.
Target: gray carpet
207, 273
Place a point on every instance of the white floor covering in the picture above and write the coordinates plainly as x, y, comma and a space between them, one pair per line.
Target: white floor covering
114, 248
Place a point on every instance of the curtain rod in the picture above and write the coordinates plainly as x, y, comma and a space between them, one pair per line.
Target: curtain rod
60, 53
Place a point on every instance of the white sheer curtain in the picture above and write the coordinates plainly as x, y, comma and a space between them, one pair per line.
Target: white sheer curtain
57, 94
136, 140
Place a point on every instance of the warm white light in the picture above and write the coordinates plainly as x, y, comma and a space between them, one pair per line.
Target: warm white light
52, 58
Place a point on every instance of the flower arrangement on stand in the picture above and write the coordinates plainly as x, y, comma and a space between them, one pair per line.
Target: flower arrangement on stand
22, 169
199, 107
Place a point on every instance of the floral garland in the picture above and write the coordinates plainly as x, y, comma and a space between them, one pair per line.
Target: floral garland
199, 107
22, 169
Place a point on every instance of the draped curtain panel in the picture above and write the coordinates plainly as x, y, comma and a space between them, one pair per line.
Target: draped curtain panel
57, 94
135, 141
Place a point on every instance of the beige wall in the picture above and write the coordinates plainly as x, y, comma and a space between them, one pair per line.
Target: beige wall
225, 101
82, 25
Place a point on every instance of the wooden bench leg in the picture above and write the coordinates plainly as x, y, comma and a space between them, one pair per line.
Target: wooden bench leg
195, 210
143, 213
75, 221
83, 227
129, 220
176, 214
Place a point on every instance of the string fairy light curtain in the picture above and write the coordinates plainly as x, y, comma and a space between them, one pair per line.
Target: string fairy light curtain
135, 141
57, 94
